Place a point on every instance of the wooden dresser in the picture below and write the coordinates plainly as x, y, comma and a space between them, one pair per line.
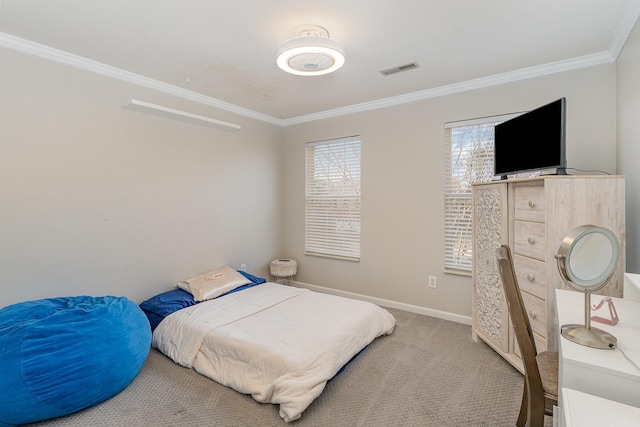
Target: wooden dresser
532, 216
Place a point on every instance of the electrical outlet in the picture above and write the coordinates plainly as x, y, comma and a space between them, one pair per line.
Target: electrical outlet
243, 267
432, 282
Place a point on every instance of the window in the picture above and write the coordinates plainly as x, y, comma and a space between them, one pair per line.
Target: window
469, 159
332, 198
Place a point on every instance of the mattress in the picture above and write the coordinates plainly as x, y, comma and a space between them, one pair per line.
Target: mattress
278, 343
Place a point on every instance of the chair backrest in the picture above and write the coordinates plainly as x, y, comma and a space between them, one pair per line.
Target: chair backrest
520, 320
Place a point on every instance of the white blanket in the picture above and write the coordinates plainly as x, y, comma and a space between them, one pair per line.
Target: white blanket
279, 344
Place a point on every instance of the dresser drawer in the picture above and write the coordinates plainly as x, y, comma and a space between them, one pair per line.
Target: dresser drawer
529, 202
537, 311
532, 275
529, 239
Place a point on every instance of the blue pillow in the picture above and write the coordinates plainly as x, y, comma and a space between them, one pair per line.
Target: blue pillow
160, 306
61, 355
254, 279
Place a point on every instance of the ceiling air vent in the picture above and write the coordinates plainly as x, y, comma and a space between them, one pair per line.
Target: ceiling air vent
399, 69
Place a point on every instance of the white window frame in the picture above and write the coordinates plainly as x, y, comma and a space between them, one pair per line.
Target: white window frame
332, 198
468, 159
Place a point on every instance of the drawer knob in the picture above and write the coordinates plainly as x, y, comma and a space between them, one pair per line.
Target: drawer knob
532, 204
532, 314
531, 277
531, 240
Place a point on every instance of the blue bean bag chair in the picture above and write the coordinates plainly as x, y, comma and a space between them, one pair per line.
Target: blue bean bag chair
61, 355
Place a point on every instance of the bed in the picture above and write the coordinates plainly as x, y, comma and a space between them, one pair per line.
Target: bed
280, 344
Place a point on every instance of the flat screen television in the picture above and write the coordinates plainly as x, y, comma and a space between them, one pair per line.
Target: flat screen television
532, 141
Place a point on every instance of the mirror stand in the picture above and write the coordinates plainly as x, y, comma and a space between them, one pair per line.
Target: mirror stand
587, 258
585, 334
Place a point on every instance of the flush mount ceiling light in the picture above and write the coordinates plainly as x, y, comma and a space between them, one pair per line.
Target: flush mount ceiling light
311, 53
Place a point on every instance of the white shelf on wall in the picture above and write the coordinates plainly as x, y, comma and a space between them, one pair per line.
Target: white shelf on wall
170, 113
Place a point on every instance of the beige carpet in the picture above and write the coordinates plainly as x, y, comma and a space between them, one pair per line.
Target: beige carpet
427, 373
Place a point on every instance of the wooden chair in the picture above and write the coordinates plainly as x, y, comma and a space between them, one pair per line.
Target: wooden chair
540, 369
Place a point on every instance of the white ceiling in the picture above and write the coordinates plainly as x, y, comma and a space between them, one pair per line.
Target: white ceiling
222, 53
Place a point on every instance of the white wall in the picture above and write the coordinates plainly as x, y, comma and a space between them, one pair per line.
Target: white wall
101, 200
96, 199
628, 85
403, 179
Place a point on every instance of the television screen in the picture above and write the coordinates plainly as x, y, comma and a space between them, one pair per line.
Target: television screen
532, 141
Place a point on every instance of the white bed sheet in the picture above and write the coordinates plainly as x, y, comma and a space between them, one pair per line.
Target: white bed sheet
279, 344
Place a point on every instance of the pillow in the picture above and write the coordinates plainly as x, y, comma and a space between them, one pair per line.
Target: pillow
253, 279
213, 283
160, 306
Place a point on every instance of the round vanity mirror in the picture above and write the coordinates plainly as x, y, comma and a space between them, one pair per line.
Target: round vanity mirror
591, 254
587, 259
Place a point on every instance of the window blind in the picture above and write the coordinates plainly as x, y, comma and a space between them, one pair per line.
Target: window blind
332, 198
469, 159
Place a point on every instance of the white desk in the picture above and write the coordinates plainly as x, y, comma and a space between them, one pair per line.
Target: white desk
631, 286
604, 373
586, 410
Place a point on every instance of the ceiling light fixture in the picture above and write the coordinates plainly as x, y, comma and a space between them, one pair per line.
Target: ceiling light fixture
311, 53
399, 69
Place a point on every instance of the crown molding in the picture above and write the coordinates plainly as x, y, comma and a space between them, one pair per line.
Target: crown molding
623, 29
626, 22
483, 82
76, 61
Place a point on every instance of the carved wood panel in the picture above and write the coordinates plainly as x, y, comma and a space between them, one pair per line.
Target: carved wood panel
490, 309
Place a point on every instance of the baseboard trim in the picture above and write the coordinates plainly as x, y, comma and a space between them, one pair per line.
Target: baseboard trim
391, 304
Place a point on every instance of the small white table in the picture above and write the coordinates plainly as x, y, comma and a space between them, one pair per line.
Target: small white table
604, 373
586, 410
632, 286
